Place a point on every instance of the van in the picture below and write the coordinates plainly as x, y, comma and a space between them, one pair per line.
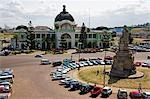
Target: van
8, 78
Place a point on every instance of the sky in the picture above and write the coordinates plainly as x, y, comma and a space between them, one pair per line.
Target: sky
93, 13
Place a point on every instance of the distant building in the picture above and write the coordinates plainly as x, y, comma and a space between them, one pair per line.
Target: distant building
143, 32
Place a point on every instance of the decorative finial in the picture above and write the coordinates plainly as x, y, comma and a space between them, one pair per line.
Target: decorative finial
83, 25
64, 8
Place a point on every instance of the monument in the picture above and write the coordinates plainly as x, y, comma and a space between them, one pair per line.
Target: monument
123, 65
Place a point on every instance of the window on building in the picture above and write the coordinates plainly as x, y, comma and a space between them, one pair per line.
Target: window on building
76, 44
94, 35
43, 35
22, 36
53, 35
38, 35
48, 35
76, 36
32, 36
100, 36
90, 35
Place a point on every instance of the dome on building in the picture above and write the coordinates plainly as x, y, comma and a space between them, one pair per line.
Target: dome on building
64, 15
22, 27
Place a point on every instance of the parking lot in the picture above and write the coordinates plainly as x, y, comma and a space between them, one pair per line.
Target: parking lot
32, 80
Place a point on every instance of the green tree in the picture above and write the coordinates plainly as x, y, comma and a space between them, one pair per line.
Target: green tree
16, 38
83, 37
50, 42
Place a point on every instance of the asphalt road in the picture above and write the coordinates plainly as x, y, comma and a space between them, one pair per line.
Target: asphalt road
32, 80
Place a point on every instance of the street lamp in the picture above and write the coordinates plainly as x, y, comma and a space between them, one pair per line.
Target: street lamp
71, 56
79, 47
104, 69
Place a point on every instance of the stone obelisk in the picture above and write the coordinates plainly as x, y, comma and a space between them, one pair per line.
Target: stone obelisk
123, 64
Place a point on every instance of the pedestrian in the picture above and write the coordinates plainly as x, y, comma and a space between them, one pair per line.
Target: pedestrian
97, 73
78, 68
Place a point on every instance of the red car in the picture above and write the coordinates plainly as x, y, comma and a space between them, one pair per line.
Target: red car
137, 64
108, 58
135, 95
96, 91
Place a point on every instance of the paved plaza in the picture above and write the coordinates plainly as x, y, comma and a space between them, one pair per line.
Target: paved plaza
32, 80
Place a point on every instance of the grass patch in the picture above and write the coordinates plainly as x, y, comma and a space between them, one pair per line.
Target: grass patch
6, 36
90, 75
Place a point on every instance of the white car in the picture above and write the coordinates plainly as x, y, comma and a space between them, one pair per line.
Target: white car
81, 64
65, 80
45, 61
75, 64
146, 64
146, 95
106, 92
89, 63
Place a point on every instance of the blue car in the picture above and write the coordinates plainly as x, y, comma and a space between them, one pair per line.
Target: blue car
85, 88
75, 85
69, 82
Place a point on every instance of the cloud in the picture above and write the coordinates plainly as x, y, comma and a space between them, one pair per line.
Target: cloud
102, 12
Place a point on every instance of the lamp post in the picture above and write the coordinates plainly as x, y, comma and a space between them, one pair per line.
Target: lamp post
104, 69
71, 56
79, 47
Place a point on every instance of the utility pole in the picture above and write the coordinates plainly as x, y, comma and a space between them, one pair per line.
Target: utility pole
79, 47
104, 70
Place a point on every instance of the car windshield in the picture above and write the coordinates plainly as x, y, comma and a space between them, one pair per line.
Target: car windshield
105, 90
95, 89
137, 95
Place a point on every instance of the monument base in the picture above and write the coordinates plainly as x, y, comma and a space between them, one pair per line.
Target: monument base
121, 73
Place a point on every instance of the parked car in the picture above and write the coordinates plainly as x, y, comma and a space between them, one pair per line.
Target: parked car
106, 92
84, 63
100, 61
137, 64
69, 82
3, 96
96, 91
38, 56
75, 85
45, 62
81, 64
146, 64
108, 62
58, 77
57, 63
63, 82
5, 89
135, 95
122, 94
94, 62
108, 58
146, 95
89, 63
85, 88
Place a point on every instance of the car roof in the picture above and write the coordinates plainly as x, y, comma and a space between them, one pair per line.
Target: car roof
135, 92
44, 59
123, 90
106, 87
148, 93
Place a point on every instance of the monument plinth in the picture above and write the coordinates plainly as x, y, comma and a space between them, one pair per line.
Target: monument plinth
123, 65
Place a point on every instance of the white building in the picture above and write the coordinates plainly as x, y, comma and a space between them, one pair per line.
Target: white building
65, 35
